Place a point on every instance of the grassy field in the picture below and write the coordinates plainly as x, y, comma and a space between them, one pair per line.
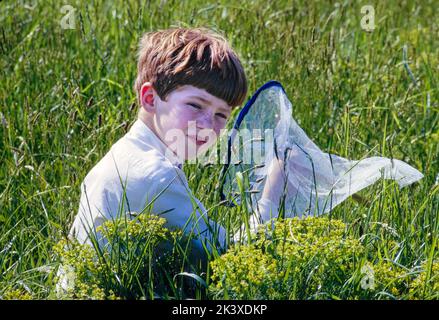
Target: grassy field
66, 96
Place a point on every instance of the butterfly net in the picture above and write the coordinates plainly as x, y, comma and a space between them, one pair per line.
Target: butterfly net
271, 160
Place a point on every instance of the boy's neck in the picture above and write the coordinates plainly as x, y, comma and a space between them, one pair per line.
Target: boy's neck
148, 120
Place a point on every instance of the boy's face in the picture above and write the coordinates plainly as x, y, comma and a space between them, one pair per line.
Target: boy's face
189, 121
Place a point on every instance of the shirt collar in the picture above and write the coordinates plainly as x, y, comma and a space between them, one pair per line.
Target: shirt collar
146, 135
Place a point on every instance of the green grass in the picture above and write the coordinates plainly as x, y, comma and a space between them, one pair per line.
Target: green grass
66, 96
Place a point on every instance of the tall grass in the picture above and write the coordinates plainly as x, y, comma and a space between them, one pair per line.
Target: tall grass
66, 96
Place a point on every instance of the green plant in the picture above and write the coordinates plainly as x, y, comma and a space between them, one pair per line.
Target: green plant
128, 260
310, 258
426, 284
66, 97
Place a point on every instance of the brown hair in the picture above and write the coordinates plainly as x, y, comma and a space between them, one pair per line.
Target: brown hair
196, 56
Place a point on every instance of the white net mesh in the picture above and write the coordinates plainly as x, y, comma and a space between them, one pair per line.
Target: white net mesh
272, 158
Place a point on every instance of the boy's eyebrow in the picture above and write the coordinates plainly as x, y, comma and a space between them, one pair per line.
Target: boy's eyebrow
208, 102
201, 99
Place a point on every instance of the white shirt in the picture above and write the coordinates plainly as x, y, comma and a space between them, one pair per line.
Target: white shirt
140, 162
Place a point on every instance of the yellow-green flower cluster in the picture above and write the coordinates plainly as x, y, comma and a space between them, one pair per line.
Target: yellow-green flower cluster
135, 252
243, 271
16, 294
424, 285
393, 281
80, 270
144, 227
390, 278
299, 258
310, 258
314, 258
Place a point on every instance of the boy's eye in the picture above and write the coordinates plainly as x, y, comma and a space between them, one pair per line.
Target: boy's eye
196, 106
193, 105
222, 115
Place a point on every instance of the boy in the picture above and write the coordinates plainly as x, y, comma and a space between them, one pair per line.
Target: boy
188, 81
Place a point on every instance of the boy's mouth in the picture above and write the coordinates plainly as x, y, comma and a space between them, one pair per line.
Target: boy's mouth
199, 142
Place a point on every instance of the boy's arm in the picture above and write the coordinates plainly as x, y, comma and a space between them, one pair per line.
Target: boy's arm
274, 188
97, 204
174, 201
268, 205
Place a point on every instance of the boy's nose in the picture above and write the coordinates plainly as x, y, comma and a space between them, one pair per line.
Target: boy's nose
205, 121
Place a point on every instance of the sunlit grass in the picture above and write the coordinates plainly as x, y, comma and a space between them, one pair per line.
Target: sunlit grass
66, 96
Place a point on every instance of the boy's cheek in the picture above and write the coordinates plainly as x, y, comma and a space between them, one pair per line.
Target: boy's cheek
208, 134
186, 114
219, 128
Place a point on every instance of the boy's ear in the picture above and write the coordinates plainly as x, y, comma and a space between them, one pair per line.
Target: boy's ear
147, 97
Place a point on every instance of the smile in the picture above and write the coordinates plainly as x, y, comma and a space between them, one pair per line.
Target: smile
198, 141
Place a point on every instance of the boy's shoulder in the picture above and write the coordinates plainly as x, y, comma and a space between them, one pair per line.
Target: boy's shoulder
134, 161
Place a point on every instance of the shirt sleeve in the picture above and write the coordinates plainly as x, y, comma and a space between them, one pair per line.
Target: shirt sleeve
159, 188
97, 204
172, 199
